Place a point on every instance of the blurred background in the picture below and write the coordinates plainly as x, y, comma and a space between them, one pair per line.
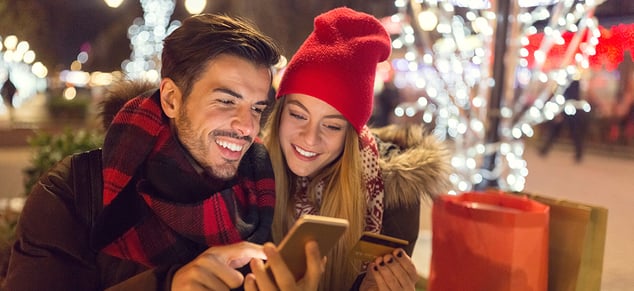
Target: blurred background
58, 30
85, 45
495, 79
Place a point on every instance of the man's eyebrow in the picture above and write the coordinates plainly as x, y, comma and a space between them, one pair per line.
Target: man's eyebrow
239, 96
228, 92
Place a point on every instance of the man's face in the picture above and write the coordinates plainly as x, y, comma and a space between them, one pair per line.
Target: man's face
219, 120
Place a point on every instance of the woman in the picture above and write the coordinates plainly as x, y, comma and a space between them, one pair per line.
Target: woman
327, 162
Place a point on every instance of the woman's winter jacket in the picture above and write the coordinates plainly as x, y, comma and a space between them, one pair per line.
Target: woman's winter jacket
415, 168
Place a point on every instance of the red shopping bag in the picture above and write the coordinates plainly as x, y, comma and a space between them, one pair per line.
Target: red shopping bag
489, 241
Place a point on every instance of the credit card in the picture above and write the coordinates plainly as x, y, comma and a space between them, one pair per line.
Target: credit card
372, 245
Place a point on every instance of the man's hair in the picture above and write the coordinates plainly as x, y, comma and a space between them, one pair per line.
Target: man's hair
201, 38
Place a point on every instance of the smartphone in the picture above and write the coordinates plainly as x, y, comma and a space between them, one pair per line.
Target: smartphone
372, 245
326, 231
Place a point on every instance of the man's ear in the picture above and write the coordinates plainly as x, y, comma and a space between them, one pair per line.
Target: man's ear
171, 97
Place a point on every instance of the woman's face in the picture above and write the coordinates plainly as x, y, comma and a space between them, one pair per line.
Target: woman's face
312, 134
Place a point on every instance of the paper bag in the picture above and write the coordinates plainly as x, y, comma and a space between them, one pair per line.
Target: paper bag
577, 243
488, 241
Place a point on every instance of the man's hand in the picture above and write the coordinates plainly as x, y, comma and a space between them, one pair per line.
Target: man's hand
214, 269
284, 279
394, 271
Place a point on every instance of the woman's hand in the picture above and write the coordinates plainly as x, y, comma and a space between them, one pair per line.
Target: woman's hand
283, 278
394, 271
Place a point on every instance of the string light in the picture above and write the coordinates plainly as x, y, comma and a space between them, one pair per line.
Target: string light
18, 62
146, 39
451, 66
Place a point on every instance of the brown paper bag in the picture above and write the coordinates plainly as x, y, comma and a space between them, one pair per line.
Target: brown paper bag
489, 241
577, 243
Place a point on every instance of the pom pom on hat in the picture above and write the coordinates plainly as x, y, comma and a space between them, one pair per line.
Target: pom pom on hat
337, 63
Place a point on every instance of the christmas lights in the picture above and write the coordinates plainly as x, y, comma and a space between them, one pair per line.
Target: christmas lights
146, 39
448, 61
17, 61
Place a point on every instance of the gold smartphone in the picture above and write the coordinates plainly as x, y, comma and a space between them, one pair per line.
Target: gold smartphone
326, 231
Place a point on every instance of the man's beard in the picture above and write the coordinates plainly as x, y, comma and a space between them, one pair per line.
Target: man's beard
198, 149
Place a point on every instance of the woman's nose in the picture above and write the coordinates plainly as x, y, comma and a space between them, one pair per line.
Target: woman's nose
311, 134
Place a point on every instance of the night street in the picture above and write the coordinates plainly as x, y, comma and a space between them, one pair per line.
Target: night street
544, 87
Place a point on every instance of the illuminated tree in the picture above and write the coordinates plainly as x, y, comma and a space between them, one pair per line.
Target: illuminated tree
480, 86
146, 35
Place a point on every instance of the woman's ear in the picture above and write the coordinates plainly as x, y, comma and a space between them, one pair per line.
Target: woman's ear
171, 97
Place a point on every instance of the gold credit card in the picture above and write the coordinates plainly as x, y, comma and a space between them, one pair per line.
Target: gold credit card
372, 245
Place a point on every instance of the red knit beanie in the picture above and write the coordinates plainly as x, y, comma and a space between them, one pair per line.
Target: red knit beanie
337, 63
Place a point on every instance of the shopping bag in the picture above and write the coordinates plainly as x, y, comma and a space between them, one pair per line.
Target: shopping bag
488, 241
577, 243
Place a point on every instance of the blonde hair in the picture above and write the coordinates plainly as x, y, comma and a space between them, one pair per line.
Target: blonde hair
343, 197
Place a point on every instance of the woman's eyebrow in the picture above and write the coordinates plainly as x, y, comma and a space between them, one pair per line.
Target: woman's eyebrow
299, 104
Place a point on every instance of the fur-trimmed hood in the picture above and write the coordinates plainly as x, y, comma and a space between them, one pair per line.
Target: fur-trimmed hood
415, 164
118, 94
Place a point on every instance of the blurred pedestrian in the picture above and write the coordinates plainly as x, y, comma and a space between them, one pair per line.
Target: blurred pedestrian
625, 126
8, 91
385, 101
576, 124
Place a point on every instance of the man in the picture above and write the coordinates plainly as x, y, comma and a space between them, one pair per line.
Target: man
576, 122
187, 194
8, 92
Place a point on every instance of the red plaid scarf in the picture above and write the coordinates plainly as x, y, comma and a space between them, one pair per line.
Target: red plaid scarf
146, 175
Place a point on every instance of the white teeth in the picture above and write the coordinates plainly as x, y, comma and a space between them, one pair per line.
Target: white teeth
305, 153
230, 146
